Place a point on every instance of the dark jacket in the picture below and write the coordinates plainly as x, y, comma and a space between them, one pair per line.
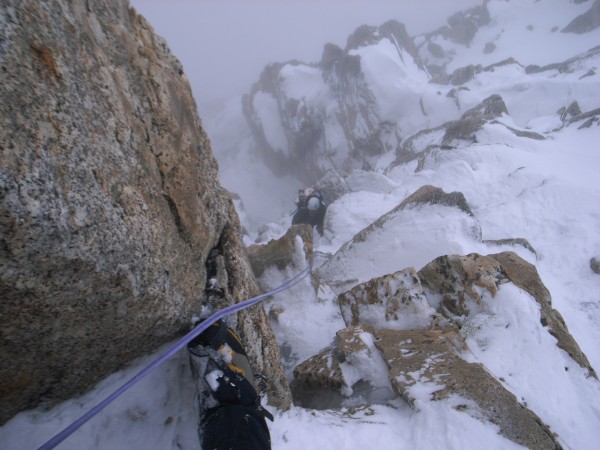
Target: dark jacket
313, 218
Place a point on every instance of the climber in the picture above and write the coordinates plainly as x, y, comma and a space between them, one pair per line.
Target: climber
311, 208
230, 413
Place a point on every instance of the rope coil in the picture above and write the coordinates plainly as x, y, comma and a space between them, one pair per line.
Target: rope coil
61, 436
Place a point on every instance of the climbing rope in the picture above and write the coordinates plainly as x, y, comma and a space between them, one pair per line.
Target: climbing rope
57, 439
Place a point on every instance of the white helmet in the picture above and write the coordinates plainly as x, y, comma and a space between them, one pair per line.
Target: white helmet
313, 204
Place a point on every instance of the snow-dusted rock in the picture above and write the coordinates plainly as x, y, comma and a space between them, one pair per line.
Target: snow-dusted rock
590, 118
349, 372
572, 64
511, 241
464, 24
443, 360
432, 195
425, 366
465, 74
280, 252
461, 29
363, 180
569, 112
307, 119
454, 133
408, 232
472, 120
394, 301
465, 286
585, 22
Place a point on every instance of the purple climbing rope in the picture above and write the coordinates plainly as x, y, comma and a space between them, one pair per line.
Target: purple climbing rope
58, 438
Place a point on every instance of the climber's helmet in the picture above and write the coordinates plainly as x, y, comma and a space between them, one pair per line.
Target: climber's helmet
313, 204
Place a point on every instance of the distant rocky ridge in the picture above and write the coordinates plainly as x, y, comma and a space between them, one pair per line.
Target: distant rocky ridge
461, 28
338, 123
111, 215
314, 139
587, 21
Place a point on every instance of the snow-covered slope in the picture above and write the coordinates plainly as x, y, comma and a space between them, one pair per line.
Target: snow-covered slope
359, 107
530, 173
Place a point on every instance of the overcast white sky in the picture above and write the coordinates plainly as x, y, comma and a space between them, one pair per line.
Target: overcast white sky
225, 44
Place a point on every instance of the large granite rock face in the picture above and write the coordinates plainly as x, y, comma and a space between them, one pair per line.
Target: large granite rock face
110, 208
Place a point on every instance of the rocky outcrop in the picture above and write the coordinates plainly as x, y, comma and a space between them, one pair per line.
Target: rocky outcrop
280, 149
358, 115
522, 242
350, 371
431, 357
111, 215
335, 123
418, 323
566, 113
464, 25
589, 118
465, 74
459, 280
595, 264
426, 143
461, 29
280, 252
568, 66
433, 195
588, 21
473, 119
392, 30
346, 268
395, 301
524, 275
428, 194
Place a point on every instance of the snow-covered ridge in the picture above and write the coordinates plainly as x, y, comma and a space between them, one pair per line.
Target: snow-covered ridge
364, 101
514, 132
